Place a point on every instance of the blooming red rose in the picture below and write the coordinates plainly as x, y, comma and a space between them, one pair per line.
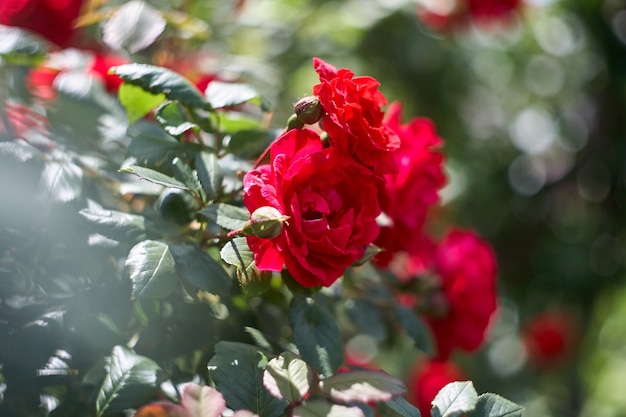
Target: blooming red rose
52, 19
331, 202
353, 117
425, 381
466, 268
413, 188
550, 338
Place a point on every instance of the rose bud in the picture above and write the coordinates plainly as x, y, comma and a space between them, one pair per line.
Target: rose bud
309, 110
265, 222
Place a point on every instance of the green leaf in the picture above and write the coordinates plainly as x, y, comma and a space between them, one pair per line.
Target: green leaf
370, 251
398, 407
137, 101
362, 386
62, 181
259, 338
454, 399
187, 176
155, 177
234, 121
172, 118
154, 148
316, 334
20, 47
197, 267
226, 216
323, 408
493, 405
116, 225
250, 143
238, 253
130, 381
415, 328
160, 80
237, 371
134, 26
220, 94
152, 269
288, 377
209, 173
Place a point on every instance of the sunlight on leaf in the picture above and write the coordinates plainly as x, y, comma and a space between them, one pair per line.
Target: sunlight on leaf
131, 380
152, 269
454, 399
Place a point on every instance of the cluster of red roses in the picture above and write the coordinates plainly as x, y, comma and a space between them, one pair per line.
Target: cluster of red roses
450, 14
363, 177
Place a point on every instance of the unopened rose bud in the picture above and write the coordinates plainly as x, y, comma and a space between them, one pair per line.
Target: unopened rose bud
308, 110
266, 222
254, 282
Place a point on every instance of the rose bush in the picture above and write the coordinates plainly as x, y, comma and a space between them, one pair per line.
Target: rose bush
155, 181
331, 201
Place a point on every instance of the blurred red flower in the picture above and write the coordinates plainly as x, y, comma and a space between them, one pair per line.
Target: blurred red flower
353, 117
550, 338
413, 188
40, 83
52, 19
40, 80
331, 201
425, 381
22, 119
466, 267
492, 9
100, 69
448, 14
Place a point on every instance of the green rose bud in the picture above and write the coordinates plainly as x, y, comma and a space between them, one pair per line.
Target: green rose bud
254, 282
308, 110
265, 222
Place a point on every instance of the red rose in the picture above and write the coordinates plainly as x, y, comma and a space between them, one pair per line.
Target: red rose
40, 83
459, 13
550, 338
427, 379
466, 267
486, 10
353, 117
52, 19
331, 201
413, 189
100, 69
